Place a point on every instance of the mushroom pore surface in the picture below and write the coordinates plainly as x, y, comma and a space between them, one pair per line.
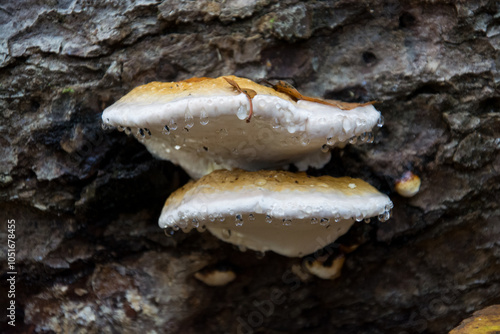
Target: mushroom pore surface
291, 214
201, 125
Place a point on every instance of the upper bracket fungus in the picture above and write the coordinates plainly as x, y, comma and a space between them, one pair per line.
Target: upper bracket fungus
288, 213
204, 124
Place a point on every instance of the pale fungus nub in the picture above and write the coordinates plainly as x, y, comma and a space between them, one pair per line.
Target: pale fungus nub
291, 214
204, 124
408, 185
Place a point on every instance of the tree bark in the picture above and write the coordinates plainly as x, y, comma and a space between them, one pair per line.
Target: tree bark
89, 255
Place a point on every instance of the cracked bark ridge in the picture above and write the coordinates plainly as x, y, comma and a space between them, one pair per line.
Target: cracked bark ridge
86, 202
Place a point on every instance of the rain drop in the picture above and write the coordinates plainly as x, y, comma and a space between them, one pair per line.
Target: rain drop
287, 222
324, 221
330, 141
172, 125
242, 112
128, 130
203, 117
353, 140
211, 217
188, 118
121, 128
251, 217
304, 139
238, 220
165, 130
275, 123
195, 223
269, 219
169, 231
380, 122
177, 147
314, 220
369, 138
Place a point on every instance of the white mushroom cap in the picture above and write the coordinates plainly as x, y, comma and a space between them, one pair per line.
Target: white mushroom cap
200, 124
290, 214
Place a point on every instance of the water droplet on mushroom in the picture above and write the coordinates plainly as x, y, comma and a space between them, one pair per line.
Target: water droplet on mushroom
251, 217
165, 130
369, 138
204, 117
359, 218
188, 118
226, 234
269, 219
169, 231
287, 222
304, 139
172, 125
238, 220
275, 123
314, 220
177, 147
363, 137
380, 122
195, 223
221, 218
128, 130
211, 217
242, 112
353, 140
324, 221
330, 141
120, 128
325, 148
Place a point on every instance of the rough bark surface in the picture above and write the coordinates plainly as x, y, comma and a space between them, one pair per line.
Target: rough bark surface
89, 255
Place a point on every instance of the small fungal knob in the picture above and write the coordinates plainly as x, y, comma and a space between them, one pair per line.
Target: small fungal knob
408, 185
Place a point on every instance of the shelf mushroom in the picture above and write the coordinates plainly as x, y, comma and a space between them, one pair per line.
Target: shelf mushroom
291, 214
204, 124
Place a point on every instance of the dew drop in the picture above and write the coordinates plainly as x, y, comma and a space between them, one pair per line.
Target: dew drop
204, 117
188, 118
251, 217
324, 221
172, 125
128, 130
325, 148
165, 130
238, 220
330, 141
177, 147
353, 140
287, 222
275, 123
169, 231
226, 234
242, 112
380, 122
195, 223
221, 218
304, 139
336, 217
120, 128
269, 219
363, 137
359, 218
211, 217
314, 220
369, 138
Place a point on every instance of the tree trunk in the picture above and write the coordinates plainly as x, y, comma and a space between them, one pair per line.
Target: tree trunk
89, 255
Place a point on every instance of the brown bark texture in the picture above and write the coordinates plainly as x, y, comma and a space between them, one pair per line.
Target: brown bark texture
90, 257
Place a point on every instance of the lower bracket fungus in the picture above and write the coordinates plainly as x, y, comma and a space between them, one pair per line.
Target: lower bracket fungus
288, 213
204, 124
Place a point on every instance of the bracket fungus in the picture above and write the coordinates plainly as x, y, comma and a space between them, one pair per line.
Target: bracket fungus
288, 213
204, 124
